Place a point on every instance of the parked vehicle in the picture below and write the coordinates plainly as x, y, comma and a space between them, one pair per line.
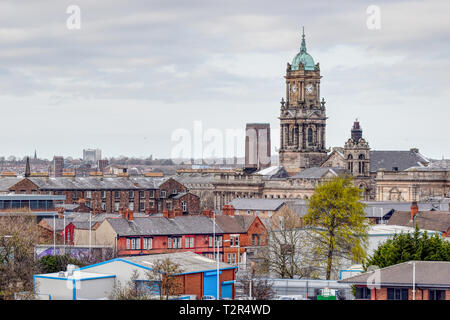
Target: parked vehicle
208, 298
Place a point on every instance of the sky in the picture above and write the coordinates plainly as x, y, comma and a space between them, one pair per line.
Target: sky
137, 73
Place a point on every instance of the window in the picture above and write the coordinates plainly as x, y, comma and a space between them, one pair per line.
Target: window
310, 135
397, 294
116, 206
174, 243
256, 240
142, 194
148, 243
103, 206
131, 194
231, 258
141, 206
103, 194
174, 191
131, 205
362, 293
116, 194
184, 206
74, 194
133, 243
163, 194
436, 294
152, 204
219, 241
210, 241
234, 240
189, 241
152, 193
88, 194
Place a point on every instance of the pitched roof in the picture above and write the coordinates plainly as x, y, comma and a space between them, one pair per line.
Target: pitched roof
257, 204
431, 220
97, 183
317, 172
428, 273
273, 172
189, 262
180, 225
395, 159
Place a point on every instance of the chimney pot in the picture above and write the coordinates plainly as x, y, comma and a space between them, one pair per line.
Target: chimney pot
414, 210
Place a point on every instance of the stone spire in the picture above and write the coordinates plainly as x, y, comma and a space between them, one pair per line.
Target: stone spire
303, 45
27, 168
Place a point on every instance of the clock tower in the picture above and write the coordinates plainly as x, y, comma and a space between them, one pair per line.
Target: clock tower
302, 115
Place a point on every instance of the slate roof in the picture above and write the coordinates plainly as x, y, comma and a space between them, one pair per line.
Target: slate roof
400, 159
273, 172
180, 225
257, 204
431, 220
428, 274
189, 262
87, 183
317, 172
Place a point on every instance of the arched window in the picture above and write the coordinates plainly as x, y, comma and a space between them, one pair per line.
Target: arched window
350, 163
310, 135
361, 164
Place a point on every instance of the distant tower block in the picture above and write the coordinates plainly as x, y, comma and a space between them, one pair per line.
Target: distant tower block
257, 145
58, 166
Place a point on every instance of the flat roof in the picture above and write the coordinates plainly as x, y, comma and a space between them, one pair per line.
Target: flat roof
13, 196
77, 275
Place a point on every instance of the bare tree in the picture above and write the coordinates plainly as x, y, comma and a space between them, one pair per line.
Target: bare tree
163, 275
286, 255
261, 289
18, 236
130, 291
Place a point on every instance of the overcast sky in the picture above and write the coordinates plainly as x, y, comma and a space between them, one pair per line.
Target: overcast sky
136, 71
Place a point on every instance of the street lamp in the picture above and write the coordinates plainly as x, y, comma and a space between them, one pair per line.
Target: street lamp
414, 279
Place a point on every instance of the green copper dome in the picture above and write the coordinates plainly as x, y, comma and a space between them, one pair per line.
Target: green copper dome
303, 57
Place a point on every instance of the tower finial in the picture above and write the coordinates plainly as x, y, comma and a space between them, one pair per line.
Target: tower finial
303, 46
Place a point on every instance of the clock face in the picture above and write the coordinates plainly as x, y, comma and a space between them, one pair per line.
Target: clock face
294, 88
309, 88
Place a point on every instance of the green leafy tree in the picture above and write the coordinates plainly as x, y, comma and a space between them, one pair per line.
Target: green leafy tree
55, 263
406, 246
337, 224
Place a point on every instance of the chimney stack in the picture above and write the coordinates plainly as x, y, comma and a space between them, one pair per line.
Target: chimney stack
168, 214
130, 214
178, 212
228, 210
208, 213
414, 210
60, 213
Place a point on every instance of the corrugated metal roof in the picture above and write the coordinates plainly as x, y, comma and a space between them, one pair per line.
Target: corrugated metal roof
428, 273
188, 261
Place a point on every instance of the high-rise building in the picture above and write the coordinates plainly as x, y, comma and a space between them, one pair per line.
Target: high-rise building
58, 166
302, 115
92, 155
257, 145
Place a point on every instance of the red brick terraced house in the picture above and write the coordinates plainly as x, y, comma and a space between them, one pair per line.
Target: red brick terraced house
172, 232
108, 194
429, 279
243, 236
